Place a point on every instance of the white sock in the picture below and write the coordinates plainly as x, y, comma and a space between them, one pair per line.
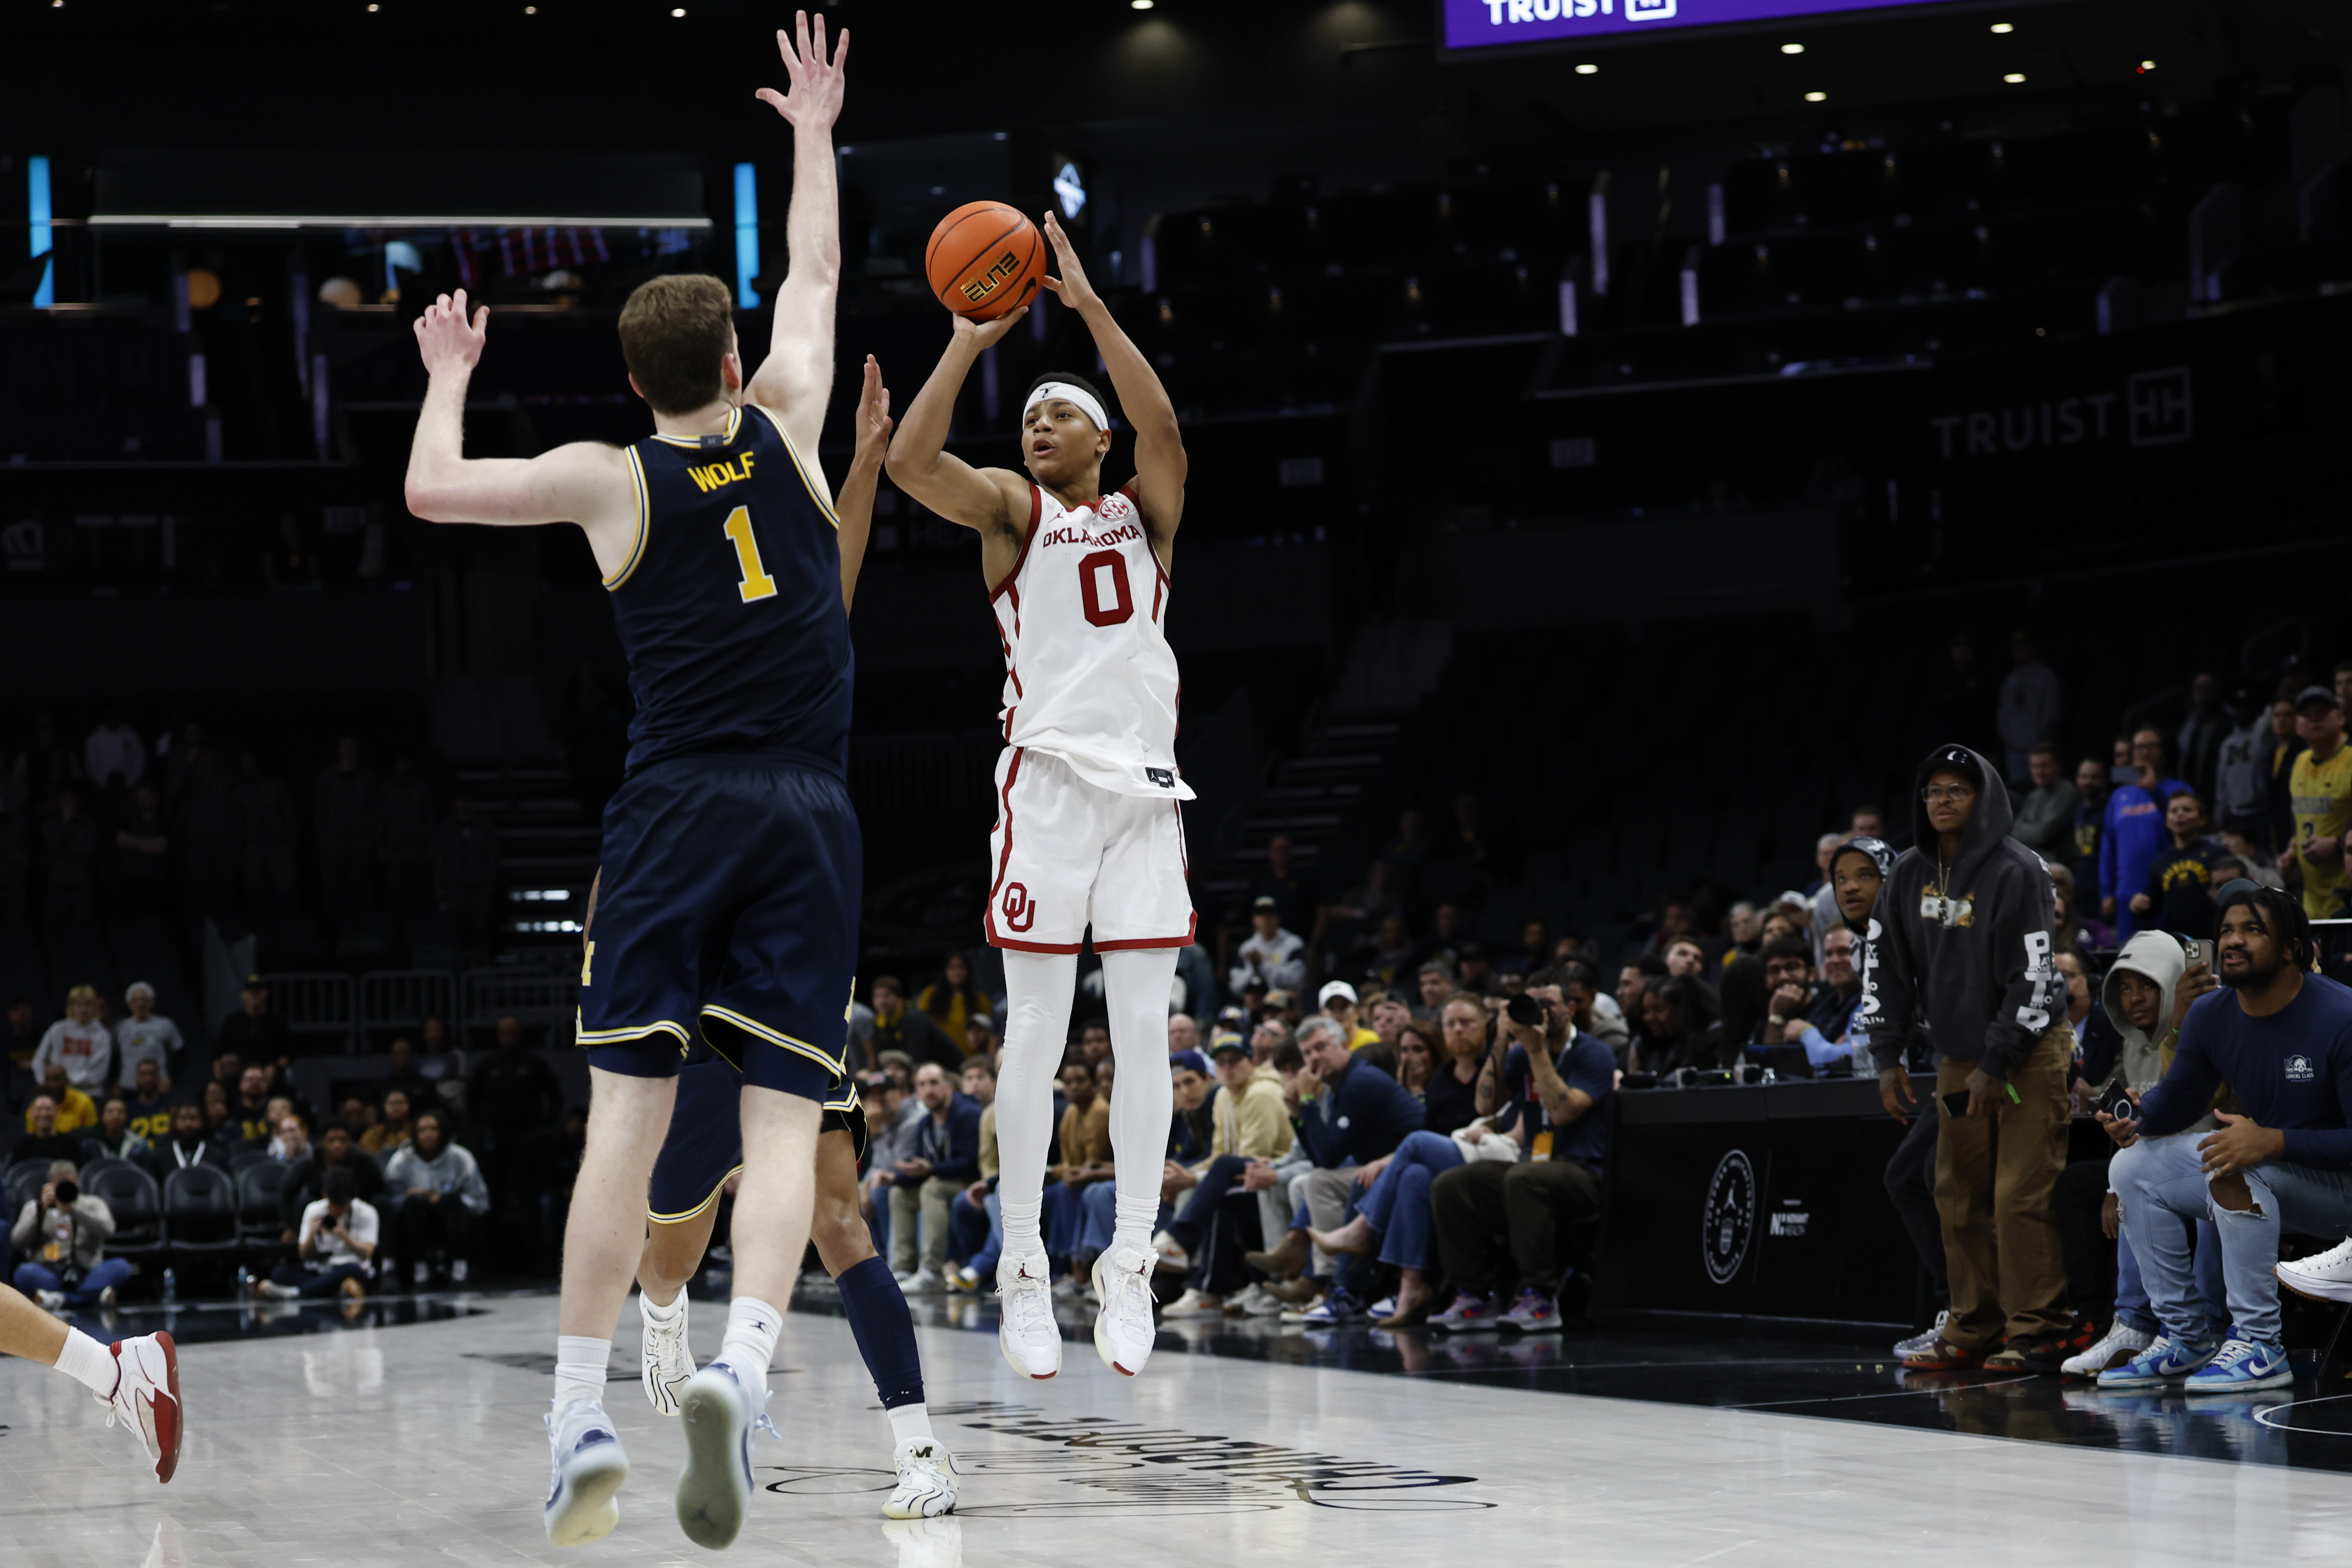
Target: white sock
1136, 984
910, 1423
580, 1363
1038, 990
92, 1365
751, 1344
663, 1315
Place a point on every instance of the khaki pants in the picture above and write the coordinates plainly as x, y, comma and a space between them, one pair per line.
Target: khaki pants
931, 1204
1993, 1180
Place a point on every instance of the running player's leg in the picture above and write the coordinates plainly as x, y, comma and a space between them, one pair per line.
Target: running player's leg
138, 1380
885, 1332
701, 1153
673, 1252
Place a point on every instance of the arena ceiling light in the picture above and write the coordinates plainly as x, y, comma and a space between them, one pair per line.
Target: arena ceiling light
1588, 69
2004, 26
1792, 49
2013, 78
1817, 98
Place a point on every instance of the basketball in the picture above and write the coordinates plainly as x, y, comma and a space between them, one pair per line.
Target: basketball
984, 260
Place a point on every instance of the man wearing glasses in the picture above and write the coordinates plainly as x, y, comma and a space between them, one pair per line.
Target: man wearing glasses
1962, 943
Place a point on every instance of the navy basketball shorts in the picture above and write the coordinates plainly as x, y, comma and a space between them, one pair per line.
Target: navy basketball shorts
728, 913
705, 1145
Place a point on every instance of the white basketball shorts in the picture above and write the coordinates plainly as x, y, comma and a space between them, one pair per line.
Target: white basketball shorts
1067, 855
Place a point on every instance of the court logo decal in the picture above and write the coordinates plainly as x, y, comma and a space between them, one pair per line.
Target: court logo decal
1020, 912
1729, 1217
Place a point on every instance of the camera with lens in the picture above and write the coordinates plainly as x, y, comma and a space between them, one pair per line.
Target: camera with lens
68, 1194
1530, 1011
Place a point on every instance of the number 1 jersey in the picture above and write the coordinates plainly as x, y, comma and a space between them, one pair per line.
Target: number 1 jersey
729, 604
1088, 674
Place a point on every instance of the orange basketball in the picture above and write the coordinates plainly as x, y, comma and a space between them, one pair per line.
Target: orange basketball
984, 259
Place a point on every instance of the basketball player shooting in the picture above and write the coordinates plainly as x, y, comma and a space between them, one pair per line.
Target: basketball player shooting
731, 860
1088, 832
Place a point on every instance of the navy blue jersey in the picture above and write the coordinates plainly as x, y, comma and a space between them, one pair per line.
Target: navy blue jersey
730, 604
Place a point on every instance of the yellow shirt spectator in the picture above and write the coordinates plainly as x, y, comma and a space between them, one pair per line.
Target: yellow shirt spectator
76, 1111
2322, 789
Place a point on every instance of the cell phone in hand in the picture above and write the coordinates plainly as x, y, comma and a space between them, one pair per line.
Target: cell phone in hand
1955, 1104
2199, 951
2120, 1108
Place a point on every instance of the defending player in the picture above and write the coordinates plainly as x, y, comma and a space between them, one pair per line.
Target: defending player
703, 1151
137, 1380
1088, 830
731, 858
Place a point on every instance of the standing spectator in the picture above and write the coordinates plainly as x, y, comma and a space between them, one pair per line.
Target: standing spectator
253, 1032
336, 1246
146, 1036
2179, 894
2029, 705
2093, 783
2045, 817
69, 850
2133, 833
1297, 898
953, 1000
2240, 773
76, 1110
1962, 943
1272, 958
1960, 697
347, 813
142, 846
466, 872
78, 1043
113, 754
944, 1161
266, 834
2200, 743
2285, 747
441, 1196
65, 1231
2321, 787
909, 1030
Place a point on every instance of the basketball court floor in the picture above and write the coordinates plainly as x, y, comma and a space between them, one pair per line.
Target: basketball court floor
407, 1432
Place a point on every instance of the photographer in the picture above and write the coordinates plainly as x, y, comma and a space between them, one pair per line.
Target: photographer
337, 1247
65, 1231
1558, 1080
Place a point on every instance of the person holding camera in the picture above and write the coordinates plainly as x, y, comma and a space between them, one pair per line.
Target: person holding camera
336, 1251
1549, 1095
65, 1231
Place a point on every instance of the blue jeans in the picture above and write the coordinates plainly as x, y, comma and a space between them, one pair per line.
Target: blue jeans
1069, 1217
36, 1276
2132, 1306
2161, 1174
1100, 1204
1398, 1204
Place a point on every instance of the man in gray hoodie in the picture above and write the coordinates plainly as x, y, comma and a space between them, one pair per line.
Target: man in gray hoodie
1962, 945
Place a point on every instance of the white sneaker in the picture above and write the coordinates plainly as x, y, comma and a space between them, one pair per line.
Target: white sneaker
927, 1482
584, 1502
720, 1412
664, 1362
1025, 1330
146, 1397
2327, 1276
1068, 1287
1924, 1340
964, 1279
1124, 1332
1193, 1304
457, 1271
50, 1301
1257, 1301
923, 1282
2120, 1343
1172, 1252
418, 1272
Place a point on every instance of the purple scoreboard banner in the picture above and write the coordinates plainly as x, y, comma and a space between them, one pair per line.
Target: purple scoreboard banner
1479, 24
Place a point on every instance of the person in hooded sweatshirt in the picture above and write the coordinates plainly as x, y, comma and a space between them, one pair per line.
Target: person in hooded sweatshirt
2145, 995
1962, 941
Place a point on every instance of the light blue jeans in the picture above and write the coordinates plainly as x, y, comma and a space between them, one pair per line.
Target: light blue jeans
1397, 1203
2132, 1306
2162, 1173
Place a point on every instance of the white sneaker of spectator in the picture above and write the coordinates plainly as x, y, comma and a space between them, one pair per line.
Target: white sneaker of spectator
50, 1300
1257, 1303
584, 1502
1172, 1252
923, 1282
2116, 1346
457, 1270
927, 1481
1026, 1331
1926, 1338
1124, 1329
418, 1273
1193, 1304
963, 1278
2327, 1276
146, 1398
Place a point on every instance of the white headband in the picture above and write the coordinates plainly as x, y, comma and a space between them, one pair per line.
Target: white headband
1087, 403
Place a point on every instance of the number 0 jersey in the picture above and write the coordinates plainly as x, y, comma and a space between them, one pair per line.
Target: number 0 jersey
1088, 674
730, 604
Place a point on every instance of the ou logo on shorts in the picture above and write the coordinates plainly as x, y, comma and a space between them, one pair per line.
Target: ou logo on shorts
1020, 913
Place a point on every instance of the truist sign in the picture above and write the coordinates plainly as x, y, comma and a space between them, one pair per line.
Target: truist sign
1480, 24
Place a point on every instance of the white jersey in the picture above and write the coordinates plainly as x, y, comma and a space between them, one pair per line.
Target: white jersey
1088, 675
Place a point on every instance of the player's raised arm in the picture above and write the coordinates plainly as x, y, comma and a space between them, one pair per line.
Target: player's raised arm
920, 464
796, 380
1160, 465
854, 505
584, 482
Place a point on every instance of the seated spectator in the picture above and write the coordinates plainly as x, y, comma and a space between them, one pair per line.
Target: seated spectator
909, 1032
64, 1233
1250, 1130
440, 1192
149, 1103
2178, 896
1191, 1122
145, 1035
395, 1130
81, 1044
404, 1073
952, 1001
1338, 1002
221, 1124
1679, 1025
336, 1245
1435, 981
1449, 1096
944, 1160
1804, 1014
1271, 957
254, 1033
354, 1116
1417, 1053
42, 1141
2282, 1039
980, 1040
1347, 1114
114, 1137
76, 1111
306, 1178
1085, 1162
1388, 1014
291, 1142
189, 1145
250, 1109
1183, 1034
1489, 1214
440, 1064
976, 1220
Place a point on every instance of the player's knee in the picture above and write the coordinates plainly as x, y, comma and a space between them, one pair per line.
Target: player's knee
841, 1240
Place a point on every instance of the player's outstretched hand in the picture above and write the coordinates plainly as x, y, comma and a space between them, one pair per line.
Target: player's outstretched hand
1072, 286
984, 334
446, 338
874, 422
813, 102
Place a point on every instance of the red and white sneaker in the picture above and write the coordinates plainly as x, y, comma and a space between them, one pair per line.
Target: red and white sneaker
146, 1397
